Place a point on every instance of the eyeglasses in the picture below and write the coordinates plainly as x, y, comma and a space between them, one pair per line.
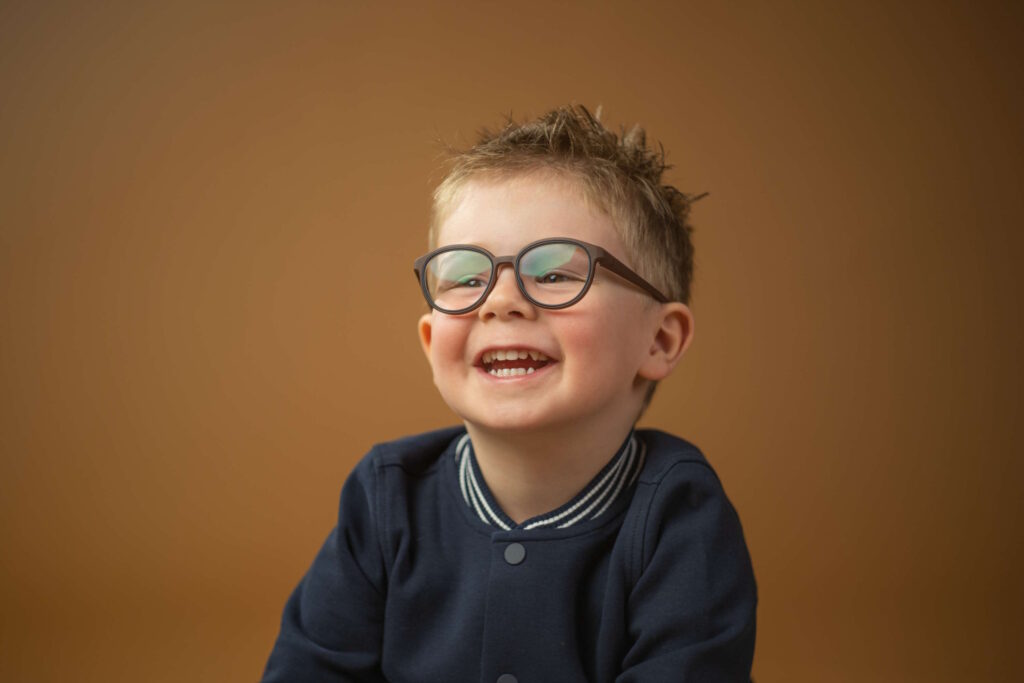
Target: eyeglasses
551, 273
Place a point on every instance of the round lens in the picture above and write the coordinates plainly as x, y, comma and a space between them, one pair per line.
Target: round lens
554, 273
457, 279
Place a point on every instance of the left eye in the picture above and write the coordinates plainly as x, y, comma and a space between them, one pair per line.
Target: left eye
553, 277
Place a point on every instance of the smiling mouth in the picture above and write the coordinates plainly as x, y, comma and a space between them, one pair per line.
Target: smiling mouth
513, 362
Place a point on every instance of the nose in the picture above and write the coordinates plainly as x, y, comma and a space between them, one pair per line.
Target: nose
506, 300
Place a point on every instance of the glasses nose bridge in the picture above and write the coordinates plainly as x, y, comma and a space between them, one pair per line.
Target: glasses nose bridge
497, 263
500, 261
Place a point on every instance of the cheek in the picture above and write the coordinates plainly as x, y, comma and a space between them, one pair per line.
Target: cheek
608, 341
448, 339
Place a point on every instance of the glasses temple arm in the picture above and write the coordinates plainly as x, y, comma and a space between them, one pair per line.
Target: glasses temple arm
622, 270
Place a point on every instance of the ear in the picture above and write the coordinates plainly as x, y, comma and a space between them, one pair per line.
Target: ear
672, 335
425, 328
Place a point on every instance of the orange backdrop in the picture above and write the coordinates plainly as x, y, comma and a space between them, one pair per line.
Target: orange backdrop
207, 311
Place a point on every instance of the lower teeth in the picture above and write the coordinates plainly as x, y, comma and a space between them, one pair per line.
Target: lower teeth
510, 372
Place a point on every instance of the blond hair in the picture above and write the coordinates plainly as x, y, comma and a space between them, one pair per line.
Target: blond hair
617, 172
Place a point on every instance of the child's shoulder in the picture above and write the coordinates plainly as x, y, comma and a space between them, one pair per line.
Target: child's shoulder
413, 453
680, 500
665, 452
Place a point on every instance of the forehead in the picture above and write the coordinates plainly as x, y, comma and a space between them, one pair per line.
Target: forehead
503, 215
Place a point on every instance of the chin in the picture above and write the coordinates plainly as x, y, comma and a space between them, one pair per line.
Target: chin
507, 419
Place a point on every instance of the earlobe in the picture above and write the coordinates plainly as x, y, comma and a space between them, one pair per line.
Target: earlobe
671, 338
425, 328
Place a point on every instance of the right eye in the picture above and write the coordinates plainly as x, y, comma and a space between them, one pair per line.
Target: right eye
470, 281
464, 282
458, 270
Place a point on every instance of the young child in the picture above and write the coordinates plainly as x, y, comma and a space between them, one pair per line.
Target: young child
545, 540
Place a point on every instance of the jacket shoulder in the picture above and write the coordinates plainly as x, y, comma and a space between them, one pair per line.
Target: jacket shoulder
664, 452
413, 454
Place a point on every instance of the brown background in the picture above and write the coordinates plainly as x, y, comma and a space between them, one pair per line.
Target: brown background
207, 309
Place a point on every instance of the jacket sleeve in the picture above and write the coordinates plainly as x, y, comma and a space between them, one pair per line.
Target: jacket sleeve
333, 622
691, 613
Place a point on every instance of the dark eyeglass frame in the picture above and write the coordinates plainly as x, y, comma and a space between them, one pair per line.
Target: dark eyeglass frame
596, 254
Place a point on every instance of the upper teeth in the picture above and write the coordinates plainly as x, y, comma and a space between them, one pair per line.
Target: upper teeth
512, 354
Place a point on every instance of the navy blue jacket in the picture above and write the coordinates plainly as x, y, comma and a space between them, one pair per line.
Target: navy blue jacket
412, 586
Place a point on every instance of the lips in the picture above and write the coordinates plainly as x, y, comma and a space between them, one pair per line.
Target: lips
513, 362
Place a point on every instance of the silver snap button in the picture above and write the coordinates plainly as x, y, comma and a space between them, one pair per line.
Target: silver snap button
514, 554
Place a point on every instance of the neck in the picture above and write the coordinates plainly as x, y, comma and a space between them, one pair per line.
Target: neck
535, 472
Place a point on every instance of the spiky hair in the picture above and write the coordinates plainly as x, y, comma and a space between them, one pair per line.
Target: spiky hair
617, 172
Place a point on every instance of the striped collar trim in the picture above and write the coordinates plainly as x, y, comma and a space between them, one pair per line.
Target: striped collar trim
611, 483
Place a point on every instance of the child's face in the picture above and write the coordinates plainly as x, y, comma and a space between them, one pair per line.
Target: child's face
598, 349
